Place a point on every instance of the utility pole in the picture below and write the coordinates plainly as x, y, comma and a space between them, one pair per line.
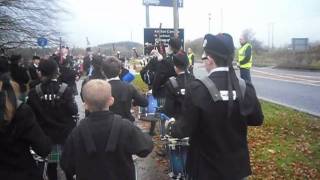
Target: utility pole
268, 25
272, 28
221, 21
209, 15
175, 18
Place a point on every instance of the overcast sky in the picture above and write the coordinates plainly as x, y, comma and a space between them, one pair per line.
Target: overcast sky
104, 21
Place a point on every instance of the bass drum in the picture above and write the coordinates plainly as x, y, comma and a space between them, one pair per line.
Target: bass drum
177, 151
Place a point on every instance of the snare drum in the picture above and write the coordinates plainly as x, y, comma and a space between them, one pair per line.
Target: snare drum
178, 149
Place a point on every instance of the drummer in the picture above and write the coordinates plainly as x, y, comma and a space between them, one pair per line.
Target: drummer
217, 125
124, 94
175, 86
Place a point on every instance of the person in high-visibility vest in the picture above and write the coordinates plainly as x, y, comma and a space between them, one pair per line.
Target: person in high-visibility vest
191, 60
245, 59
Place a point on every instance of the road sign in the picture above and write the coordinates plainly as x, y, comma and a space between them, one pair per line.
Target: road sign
300, 44
42, 42
167, 3
151, 36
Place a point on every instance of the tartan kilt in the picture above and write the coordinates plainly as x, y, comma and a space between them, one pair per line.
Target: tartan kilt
55, 154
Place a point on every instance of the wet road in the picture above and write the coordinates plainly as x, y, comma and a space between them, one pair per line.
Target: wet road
296, 89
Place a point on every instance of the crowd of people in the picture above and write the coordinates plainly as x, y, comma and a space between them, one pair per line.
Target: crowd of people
39, 114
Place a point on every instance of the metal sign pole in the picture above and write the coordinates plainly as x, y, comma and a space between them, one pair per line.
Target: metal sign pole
147, 16
175, 18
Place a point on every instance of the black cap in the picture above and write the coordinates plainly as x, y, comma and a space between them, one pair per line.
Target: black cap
97, 60
4, 65
175, 43
180, 59
220, 45
15, 59
48, 67
35, 57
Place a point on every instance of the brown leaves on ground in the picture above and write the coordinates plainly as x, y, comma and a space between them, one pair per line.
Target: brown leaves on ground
160, 156
287, 145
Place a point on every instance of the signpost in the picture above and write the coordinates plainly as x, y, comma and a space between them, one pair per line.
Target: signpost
166, 3
151, 37
300, 44
42, 42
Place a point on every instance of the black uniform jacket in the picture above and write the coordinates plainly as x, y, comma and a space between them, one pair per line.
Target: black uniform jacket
124, 95
68, 76
174, 99
35, 79
33, 72
85, 153
57, 123
164, 71
16, 138
218, 145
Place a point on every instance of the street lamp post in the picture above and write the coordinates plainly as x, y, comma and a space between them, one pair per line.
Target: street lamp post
209, 22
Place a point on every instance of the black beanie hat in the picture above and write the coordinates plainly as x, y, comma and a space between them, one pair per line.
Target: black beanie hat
48, 67
180, 59
219, 45
175, 43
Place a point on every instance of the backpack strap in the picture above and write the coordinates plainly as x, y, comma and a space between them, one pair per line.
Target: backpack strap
114, 134
173, 82
62, 89
211, 87
39, 91
19, 103
243, 86
87, 137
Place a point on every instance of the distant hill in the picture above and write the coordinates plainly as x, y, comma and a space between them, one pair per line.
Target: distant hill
124, 47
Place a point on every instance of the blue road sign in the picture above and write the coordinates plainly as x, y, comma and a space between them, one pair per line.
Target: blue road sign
42, 42
167, 3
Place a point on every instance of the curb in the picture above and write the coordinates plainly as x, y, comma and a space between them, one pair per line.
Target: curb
290, 106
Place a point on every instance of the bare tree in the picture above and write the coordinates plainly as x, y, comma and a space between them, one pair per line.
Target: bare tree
23, 21
249, 35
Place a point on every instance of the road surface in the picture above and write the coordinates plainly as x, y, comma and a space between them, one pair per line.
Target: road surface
296, 89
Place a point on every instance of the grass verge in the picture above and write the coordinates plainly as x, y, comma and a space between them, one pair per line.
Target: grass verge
287, 146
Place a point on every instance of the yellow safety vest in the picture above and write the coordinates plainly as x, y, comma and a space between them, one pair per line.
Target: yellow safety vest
190, 58
242, 55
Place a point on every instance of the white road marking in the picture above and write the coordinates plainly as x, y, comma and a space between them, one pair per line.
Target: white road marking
287, 77
285, 80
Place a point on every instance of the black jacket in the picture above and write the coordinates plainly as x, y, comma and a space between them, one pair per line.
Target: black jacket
218, 145
56, 122
16, 138
86, 64
33, 72
124, 96
68, 76
86, 152
174, 96
164, 71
